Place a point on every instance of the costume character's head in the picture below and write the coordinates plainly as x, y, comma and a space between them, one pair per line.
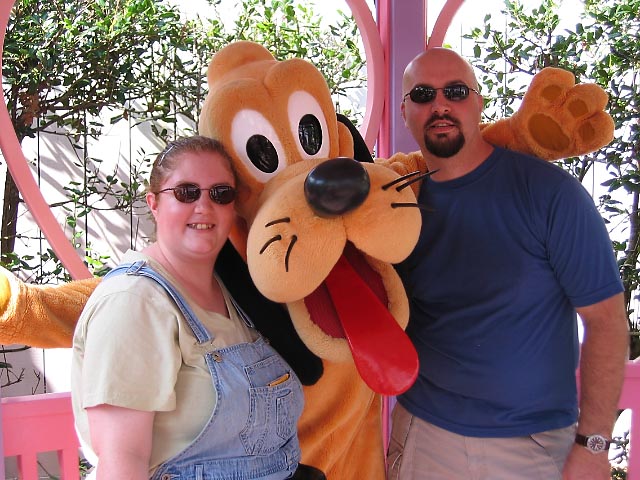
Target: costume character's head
319, 230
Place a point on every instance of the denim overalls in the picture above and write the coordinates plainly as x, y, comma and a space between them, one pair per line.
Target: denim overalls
252, 432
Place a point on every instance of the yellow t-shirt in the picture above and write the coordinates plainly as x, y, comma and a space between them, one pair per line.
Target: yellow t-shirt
133, 348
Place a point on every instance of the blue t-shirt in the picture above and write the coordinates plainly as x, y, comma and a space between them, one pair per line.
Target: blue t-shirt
505, 255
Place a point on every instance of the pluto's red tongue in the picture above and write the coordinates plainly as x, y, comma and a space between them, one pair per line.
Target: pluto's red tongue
384, 356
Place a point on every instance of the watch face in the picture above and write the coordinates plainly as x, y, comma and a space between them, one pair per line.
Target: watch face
596, 443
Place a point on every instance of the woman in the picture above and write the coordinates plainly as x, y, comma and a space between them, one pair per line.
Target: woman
169, 379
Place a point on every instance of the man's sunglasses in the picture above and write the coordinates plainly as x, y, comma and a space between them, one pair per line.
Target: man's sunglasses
424, 94
189, 193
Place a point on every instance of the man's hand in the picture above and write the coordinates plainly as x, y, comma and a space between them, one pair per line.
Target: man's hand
581, 464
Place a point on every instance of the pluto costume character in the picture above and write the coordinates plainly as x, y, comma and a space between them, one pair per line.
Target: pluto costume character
318, 234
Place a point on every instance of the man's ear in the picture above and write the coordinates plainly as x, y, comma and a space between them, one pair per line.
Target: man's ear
481, 102
361, 151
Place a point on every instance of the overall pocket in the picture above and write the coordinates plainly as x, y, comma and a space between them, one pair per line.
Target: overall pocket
275, 403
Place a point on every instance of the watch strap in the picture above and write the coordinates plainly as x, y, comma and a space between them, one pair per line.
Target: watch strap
595, 443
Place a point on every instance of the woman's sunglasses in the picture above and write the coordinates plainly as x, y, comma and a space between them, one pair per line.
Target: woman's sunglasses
189, 193
424, 94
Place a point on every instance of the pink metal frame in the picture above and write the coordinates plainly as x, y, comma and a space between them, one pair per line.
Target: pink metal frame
630, 398
23, 177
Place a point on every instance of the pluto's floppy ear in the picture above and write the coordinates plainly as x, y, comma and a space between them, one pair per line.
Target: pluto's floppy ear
271, 319
360, 150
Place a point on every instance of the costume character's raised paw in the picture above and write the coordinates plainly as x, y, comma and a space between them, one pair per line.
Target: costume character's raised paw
557, 118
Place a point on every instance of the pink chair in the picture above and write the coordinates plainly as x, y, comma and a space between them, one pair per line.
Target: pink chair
36, 424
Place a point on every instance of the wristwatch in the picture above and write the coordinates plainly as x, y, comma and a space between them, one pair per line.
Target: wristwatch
594, 443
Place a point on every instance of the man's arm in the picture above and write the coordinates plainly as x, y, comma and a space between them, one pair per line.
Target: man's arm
602, 360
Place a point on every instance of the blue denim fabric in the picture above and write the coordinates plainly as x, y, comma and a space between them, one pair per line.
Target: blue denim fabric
252, 432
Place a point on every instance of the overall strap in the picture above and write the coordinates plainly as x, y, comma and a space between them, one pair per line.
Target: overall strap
245, 318
141, 268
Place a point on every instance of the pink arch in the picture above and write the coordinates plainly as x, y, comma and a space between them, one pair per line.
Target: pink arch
376, 74
21, 173
443, 22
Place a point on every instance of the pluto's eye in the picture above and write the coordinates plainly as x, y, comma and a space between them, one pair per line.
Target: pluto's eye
258, 146
262, 153
310, 134
309, 125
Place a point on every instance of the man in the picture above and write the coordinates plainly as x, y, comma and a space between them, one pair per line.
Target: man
511, 248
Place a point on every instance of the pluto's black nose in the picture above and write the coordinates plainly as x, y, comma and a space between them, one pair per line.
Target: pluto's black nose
336, 186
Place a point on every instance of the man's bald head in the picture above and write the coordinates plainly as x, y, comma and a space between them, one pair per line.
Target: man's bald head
434, 64
443, 116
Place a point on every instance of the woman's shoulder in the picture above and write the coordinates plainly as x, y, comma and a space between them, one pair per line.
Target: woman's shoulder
132, 286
